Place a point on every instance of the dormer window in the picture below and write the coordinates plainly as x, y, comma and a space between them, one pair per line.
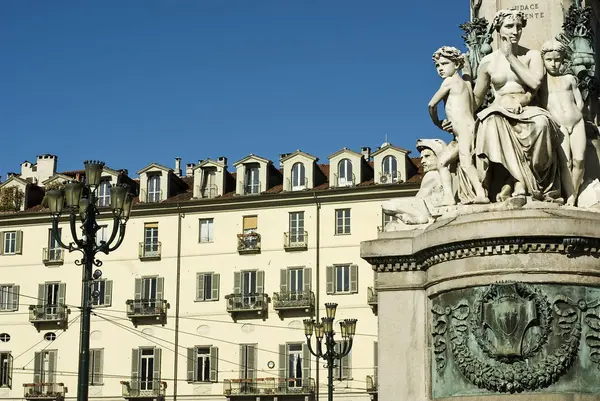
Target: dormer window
345, 178
154, 188
209, 183
389, 170
251, 180
104, 193
298, 177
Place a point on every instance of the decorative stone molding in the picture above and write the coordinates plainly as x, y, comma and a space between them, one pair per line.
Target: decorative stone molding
422, 260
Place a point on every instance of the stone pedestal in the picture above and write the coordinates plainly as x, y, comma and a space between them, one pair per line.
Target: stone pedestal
490, 306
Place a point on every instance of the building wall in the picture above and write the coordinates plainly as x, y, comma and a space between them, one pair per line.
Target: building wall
200, 323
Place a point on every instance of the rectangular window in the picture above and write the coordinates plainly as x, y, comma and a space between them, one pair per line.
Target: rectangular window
52, 299
145, 369
9, 297
207, 287
296, 280
150, 239
44, 366
104, 193
202, 364
209, 186
10, 242
342, 279
252, 183
296, 227
343, 368
96, 365
54, 249
102, 292
294, 364
6, 369
248, 363
342, 221
154, 188
206, 230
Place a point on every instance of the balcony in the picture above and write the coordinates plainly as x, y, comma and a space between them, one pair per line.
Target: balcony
344, 181
372, 386
147, 311
269, 386
48, 316
44, 391
207, 192
150, 251
372, 297
295, 241
292, 300
250, 188
53, 256
247, 303
248, 243
137, 389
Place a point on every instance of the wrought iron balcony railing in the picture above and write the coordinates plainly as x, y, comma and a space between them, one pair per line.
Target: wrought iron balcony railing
146, 308
151, 197
372, 296
44, 391
295, 241
289, 300
344, 181
254, 302
250, 188
209, 191
268, 386
53, 256
48, 314
150, 250
371, 384
144, 389
248, 243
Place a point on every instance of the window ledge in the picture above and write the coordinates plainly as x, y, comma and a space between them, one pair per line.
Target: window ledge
206, 300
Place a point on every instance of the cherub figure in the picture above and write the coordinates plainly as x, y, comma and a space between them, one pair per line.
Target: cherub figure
562, 98
457, 95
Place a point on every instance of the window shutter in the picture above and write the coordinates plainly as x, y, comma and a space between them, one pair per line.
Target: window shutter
347, 367
62, 292
19, 242
337, 363
157, 357
214, 364
283, 363
283, 278
307, 285
250, 222
305, 362
375, 360
41, 294
210, 230
200, 284
135, 364
260, 281
51, 366
108, 284
2, 233
91, 377
10, 368
137, 293
216, 278
98, 364
243, 353
160, 288
251, 361
237, 282
191, 364
14, 294
37, 367
329, 278
354, 278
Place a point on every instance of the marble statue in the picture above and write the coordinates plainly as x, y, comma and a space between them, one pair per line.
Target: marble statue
409, 212
514, 136
457, 96
560, 95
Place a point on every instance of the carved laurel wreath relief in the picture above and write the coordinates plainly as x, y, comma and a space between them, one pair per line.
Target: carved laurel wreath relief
511, 327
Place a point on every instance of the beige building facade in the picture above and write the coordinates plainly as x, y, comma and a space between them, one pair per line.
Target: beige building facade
206, 296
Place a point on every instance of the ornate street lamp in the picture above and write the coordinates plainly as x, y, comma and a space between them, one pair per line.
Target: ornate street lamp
325, 329
80, 201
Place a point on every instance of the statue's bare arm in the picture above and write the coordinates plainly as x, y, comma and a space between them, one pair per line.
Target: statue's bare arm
482, 85
531, 76
440, 95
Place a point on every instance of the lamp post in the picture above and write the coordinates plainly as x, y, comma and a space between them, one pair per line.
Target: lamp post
325, 329
80, 201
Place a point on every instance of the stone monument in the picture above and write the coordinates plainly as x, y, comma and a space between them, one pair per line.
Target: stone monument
500, 301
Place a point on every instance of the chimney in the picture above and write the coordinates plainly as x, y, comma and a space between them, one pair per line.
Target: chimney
366, 153
189, 169
178, 166
222, 159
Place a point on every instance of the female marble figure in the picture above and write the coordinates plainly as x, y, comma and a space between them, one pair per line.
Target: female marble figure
512, 133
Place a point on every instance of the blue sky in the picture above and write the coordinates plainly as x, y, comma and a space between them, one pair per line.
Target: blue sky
132, 82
